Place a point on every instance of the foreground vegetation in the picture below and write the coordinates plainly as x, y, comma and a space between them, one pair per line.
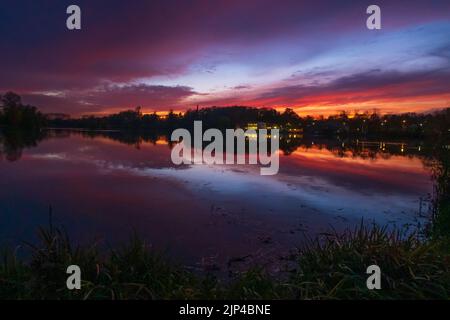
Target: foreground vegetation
331, 268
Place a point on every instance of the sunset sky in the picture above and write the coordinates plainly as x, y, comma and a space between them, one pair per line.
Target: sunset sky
316, 57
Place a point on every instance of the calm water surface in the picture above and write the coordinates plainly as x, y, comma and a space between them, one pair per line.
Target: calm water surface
102, 188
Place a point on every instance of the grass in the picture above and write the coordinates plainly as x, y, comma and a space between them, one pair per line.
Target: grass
411, 268
330, 268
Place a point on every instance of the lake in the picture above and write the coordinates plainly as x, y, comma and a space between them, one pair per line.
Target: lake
104, 185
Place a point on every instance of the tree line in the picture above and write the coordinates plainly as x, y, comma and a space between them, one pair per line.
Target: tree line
14, 113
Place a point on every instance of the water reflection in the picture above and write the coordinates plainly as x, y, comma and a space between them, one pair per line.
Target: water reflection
106, 183
14, 141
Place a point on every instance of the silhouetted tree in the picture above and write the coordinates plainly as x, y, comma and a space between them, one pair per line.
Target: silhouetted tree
15, 114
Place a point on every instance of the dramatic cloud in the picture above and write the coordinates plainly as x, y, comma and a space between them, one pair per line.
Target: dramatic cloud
174, 54
373, 84
111, 98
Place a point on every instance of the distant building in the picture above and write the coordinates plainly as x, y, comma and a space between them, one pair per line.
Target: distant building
57, 116
295, 130
256, 125
263, 125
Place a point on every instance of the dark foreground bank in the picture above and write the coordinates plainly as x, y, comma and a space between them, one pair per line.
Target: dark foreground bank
333, 268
